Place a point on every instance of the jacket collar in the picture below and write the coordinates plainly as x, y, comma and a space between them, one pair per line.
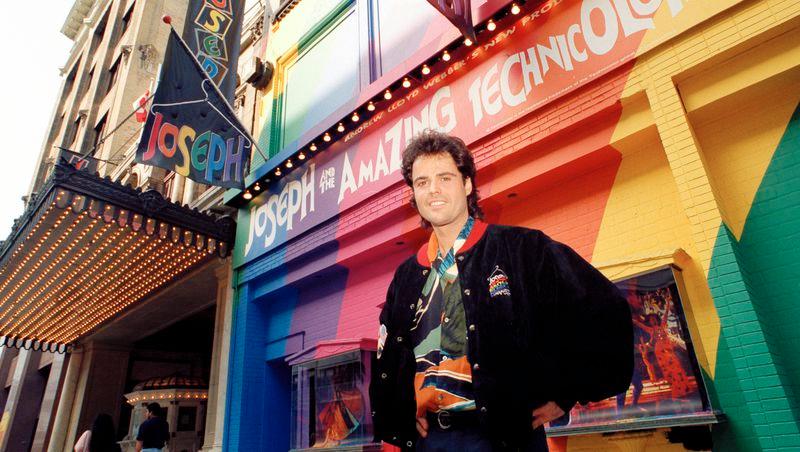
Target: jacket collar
427, 252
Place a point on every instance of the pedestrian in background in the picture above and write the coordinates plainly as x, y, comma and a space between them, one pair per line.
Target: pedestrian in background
154, 432
101, 437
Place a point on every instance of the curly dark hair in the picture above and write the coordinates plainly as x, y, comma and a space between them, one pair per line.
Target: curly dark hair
431, 142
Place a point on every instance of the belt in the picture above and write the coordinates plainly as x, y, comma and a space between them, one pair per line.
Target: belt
457, 420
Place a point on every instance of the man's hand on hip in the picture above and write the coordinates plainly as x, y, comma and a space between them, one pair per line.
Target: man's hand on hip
422, 426
542, 415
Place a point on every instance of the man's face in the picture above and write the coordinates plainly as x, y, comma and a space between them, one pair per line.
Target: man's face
439, 190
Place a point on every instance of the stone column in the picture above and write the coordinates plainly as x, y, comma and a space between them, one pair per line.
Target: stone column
7, 355
65, 403
22, 405
52, 391
99, 389
215, 410
170, 413
188, 191
176, 194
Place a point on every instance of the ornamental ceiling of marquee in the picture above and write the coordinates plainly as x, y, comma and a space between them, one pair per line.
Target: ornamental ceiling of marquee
87, 249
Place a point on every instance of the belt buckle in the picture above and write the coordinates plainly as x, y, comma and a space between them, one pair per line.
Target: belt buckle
443, 419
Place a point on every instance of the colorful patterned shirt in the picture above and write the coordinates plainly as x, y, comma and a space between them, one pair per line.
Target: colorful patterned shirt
443, 379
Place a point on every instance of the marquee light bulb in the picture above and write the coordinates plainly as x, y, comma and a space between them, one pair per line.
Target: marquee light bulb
289, 164
301, 156
327, 137
313, 147
371, 106
515, 9
355, 117
446, 56
468, 42
247, 195
387, 94
491, 26
340, 128
425, 69
277, 171
406, 83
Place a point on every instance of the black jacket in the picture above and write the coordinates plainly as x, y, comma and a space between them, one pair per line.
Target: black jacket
564, 334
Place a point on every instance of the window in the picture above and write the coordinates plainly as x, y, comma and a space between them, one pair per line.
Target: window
69, 84
126, 19
62, 124
404, 28
75, 133
330, 402
239, 109
324, 75
100, 30
99, 131
187, 418
350, 48
113, 75
88, 81
169, 180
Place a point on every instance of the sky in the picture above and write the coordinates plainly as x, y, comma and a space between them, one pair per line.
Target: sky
35, 51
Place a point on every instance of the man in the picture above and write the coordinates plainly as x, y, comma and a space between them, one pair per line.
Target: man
490, 331
154, 431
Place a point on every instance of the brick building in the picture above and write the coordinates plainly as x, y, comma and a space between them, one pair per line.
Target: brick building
95, 302
658, 139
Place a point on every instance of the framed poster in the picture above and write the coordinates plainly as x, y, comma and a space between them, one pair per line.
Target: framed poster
330, 402
667, 384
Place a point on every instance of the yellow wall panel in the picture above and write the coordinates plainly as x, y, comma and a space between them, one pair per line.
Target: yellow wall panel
643, 226
738, 136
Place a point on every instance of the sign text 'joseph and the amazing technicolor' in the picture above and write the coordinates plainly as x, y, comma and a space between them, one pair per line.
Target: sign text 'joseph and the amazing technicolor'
521, 68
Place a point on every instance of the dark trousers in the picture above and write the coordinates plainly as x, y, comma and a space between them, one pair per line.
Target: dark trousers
473, 440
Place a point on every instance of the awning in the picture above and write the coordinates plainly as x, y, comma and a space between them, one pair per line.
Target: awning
87, 249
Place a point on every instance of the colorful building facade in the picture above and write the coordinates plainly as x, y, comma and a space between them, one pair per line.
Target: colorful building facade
93, 300
659, 139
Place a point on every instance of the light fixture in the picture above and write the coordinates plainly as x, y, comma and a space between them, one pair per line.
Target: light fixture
515, 9
247, 195
256, 187
468, 42
446, 56
313, 147
301, 156
289, 164
387, 94
326, 137
355, 117
371, 106
491, 26
340, 127
425, 69
277, 171
406, 83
